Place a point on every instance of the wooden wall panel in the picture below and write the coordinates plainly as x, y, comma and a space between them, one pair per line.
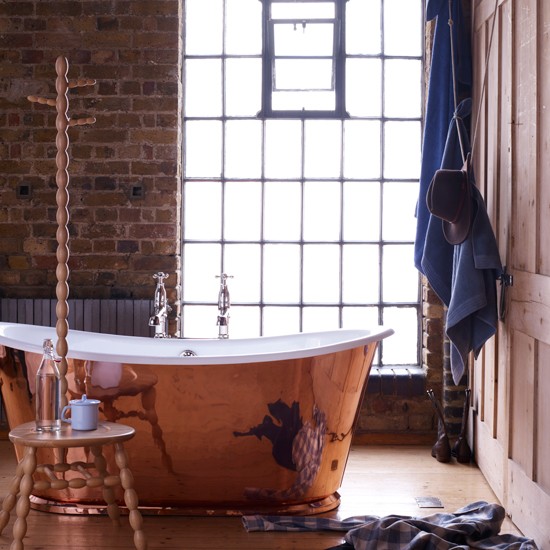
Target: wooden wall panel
504, 219
543, 256
521, 401
524, 176
542, 466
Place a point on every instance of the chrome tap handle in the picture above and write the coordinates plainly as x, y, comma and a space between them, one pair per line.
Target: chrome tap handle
160, 291
160, 276
224, 302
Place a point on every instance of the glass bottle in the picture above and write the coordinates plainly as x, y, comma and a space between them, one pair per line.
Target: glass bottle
47, 397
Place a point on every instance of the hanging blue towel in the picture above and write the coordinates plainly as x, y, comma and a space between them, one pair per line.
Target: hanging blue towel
440, 104
472, 314
464, 276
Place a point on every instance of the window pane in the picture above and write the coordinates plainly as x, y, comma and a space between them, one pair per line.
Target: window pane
310, 101
402, 88
281, 320
360, 317
203, 149
243, 35
283, 204
199, 321
202, 207
362, 149
321, 211
361, 211
281, 273
283, 149
200, 283
243, 148
364, 87
203, 27
243, 100
399, 221
363, 28
399, 274
402, 27
302, 10
203, 96
402, 148
303, 74
360, 268
321, 273
319, 318
242, 261
306, 39
322, 148
244, 322
402, 347
243, 202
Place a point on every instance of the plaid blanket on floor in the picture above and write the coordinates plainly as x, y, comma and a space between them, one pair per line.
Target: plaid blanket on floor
475, 526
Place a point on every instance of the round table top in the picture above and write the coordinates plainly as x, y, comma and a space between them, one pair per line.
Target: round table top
107, 433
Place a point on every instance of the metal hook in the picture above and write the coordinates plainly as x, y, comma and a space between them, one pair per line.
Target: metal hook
506, 280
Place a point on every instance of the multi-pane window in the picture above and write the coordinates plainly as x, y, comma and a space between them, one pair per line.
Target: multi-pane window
312, 215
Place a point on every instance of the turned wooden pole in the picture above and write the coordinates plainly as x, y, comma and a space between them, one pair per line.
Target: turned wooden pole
62, 123
62, 217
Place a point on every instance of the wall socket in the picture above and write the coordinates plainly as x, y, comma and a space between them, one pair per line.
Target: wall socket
137, 191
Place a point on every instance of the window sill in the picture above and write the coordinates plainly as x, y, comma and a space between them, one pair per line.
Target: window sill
402, 381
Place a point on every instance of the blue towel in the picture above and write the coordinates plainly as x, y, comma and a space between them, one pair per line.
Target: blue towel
440, 104
472, 314
464, 276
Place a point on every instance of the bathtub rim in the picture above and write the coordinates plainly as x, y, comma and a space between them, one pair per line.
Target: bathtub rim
33, 335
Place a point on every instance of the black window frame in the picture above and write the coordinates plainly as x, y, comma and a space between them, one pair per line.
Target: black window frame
268, 59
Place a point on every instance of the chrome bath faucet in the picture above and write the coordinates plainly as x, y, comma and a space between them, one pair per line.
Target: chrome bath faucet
223, 306
159, 317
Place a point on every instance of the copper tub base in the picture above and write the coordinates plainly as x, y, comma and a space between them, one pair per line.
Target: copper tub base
320, 506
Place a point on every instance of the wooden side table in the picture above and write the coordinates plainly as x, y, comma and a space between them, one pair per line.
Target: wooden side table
107, 433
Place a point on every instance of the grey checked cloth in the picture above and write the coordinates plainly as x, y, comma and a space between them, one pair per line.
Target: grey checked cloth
475, 526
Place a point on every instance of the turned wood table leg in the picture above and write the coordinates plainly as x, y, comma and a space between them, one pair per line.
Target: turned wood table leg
23, 502
130, 497
11, 498
108, 492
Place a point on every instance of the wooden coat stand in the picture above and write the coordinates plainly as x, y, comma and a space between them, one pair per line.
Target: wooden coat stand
108, 433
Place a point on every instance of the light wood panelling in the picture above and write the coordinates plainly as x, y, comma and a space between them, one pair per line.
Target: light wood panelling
511, 385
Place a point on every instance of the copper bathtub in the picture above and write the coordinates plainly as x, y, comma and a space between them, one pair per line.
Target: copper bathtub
260, 425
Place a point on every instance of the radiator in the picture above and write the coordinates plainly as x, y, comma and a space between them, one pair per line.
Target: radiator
126, 317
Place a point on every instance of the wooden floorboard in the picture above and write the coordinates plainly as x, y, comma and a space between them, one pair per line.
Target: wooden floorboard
379, 480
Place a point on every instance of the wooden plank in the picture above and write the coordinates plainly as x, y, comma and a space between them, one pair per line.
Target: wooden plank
484, 10
505, 209
524, 236
542, 468
543, 256
528, 506
529, 306
490, 457
522, 392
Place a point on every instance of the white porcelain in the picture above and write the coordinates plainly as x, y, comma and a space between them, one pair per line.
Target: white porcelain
139, 350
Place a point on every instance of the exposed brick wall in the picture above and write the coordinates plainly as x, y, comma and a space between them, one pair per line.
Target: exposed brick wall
117, 238
404, 416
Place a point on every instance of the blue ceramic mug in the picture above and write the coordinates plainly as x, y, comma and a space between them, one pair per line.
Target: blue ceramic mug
84, 413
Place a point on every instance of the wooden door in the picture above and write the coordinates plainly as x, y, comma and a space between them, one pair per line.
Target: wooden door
511, 378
